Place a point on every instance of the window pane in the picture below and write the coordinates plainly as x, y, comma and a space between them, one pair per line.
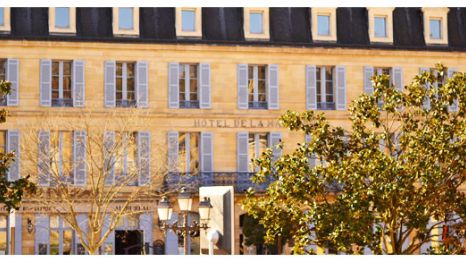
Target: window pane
125, 18
182, 152
188, 20
62, 17
255, 23
67, 242
193, 82
435, 28
54, 242
323, 25
380, 27
251, 83
319, 92
2, 16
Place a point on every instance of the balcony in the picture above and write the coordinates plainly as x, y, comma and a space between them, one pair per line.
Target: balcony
62, 102
258, 105
326, 105
189, 104
240, 181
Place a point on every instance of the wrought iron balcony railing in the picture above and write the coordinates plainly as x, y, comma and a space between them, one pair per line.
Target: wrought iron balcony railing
258, 105
189, 104
125, 103
62, 102
325, 105
240, 181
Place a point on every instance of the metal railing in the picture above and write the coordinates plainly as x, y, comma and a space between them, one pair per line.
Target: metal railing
258, 105
62, 102
240, 181
326, 105
189, 104
125, 103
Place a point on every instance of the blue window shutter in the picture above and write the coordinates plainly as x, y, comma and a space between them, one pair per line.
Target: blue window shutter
275, 138
110, 83
242, 75
272, 87
453, 107
12, 75
18, 234
79, 83
207, 148
144, 147
368, 74
426, 103
109, 155
340, 89
172, 151
311, 88
173, 85
142, 84
44, 158
205, 90
45, 82
242, 157
398, 78
145, 224
42, 234
13, 145
79, 157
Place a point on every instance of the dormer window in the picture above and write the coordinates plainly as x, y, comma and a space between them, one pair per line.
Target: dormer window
256, 23
5, 19
62, 20
380, 24
189, 22
435, 25
323, 23
126, 21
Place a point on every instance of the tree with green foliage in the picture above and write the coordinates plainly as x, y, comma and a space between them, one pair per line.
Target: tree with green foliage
11, 192
392, 184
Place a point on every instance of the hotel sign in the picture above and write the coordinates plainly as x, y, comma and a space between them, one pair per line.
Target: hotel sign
236, 123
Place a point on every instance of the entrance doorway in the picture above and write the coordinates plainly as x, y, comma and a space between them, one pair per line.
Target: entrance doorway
128, 242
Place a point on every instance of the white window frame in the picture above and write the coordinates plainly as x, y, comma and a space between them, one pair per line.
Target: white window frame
323, 86
255, 76
265, 35
187, 83
386, 13
6, 27
59, 30
124, 81
331, 12
125, 32
197, 33
60, 78
436, 13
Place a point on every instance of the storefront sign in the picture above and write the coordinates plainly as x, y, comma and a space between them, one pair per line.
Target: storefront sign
236, 123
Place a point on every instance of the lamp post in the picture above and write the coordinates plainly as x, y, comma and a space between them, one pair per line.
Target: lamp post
185, 202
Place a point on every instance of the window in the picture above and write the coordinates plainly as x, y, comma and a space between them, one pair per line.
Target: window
3, 232
126, 169
435, 28
188, 150
3, 99
256, 23
188, 22
257, 97
61, 84
125, 86
3, 138
62, 155
325, 88
188, 82
257, 144
61, 236
323, 24
382, 71
5, 19
380, 24
435, 25
62, 20
125, 21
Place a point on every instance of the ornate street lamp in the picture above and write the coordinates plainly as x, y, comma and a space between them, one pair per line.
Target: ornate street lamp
185, 203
